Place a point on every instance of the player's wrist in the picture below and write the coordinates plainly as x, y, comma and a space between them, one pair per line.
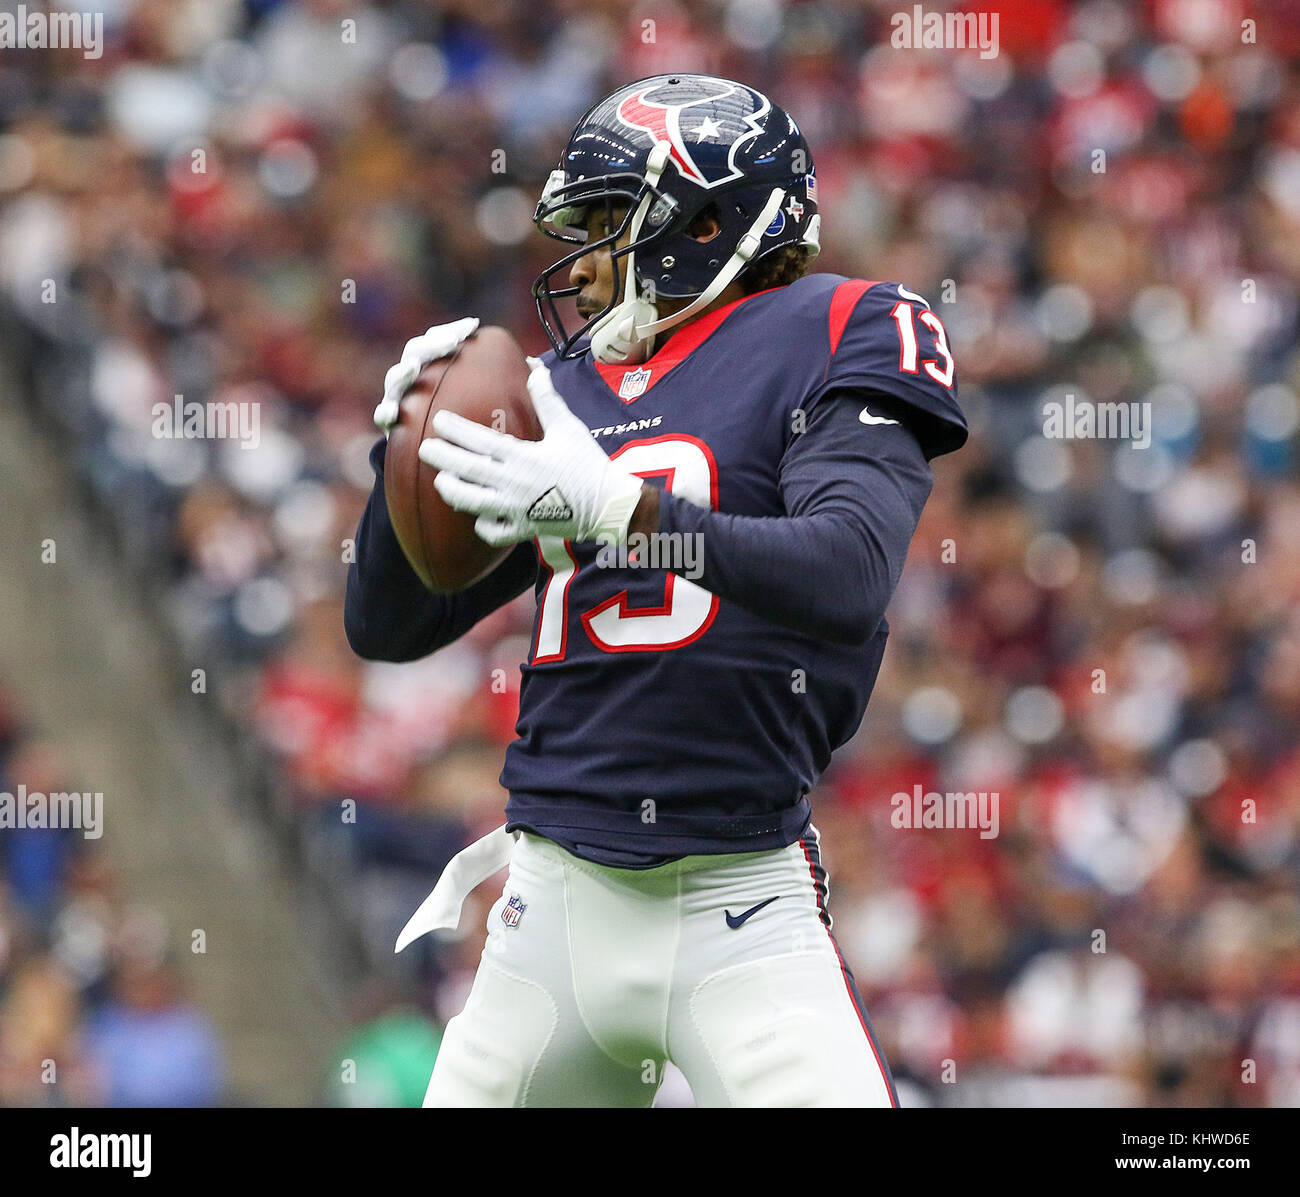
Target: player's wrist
645, 516
612, 525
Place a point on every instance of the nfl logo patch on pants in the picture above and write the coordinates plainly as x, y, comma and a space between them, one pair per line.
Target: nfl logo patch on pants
513, 911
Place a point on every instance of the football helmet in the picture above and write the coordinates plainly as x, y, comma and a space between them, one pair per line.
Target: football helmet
667, 148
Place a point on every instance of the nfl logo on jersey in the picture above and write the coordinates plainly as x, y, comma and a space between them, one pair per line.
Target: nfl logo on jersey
514, 911
634, 383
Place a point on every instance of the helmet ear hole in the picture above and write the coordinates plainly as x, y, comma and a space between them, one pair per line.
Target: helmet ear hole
706, 223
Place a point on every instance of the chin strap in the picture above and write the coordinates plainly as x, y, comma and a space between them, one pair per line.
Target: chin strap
617, 339
626, 336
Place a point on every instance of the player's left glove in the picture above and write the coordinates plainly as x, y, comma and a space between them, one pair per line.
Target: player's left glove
439, 341
563, 485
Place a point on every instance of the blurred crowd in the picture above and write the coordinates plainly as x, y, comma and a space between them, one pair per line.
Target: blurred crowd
258, 201
92, 1007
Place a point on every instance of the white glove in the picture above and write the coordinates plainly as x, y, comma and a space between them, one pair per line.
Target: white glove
563, 485
429, 346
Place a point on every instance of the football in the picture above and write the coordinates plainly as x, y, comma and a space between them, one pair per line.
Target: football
485, 380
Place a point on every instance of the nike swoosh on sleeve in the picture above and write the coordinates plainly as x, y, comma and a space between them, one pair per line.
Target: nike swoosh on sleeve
867, 418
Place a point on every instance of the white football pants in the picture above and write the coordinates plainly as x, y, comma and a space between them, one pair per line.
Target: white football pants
593, 976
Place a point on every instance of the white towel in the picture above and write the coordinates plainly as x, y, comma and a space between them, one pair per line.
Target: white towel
469, 867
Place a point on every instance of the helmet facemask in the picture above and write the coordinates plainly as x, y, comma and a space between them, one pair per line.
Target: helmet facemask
650, 212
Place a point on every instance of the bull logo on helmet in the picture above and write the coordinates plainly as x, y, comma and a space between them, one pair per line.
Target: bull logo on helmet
663, 122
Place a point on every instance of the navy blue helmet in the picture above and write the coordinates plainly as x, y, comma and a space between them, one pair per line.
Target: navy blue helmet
668, 148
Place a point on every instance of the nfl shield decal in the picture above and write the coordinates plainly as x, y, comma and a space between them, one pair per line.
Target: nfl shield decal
634, 384
514, 911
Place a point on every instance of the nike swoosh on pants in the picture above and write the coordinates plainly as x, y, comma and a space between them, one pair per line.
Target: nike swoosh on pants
734, 920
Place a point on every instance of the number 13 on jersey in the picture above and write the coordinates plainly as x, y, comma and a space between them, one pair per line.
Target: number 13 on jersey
905, 317
613, 625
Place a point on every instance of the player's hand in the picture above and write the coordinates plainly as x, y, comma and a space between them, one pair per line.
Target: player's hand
563, 485
429, 346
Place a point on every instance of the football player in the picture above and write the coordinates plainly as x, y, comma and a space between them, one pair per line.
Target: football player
735, 456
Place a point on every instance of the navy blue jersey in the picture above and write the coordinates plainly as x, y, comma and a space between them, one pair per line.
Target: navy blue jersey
689, 703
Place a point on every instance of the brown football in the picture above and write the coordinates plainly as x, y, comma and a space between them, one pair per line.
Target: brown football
484, 381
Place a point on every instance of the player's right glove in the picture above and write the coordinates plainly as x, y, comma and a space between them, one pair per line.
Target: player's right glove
563, 485
436, 342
